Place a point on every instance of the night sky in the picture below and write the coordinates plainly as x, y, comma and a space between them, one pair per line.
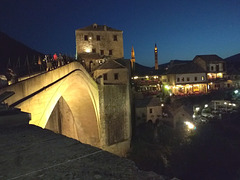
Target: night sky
180, 28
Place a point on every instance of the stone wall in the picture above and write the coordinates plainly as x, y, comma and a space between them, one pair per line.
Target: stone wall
116, 118
106, 43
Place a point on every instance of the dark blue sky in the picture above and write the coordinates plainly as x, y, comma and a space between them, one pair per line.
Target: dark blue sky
180, 28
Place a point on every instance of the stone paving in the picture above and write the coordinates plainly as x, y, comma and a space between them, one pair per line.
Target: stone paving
28, 152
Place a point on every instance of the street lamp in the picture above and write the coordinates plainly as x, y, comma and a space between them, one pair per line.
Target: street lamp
190, 125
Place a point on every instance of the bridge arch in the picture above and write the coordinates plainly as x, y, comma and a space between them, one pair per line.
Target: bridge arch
82, 107
71, 83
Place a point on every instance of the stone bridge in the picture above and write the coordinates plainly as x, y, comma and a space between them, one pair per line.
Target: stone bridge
68, 101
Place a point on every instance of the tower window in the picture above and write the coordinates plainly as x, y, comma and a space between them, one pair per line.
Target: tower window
102, 52
183, 79
150, 110
178, 79
188, 79
115, 76
98, 38
110, 52
195, 78
93, 50
115, 38
105, 76
86, 37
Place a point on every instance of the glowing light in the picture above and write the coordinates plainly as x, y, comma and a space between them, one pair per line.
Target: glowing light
190, 125
87, 50
219, 75
225, 103
234, 104
146, 77
90, 38
236, 91
166, 87
193, 116
135, 77
206, 105
162, 105
197, 109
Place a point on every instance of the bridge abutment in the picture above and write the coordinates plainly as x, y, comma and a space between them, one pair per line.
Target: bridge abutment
115, 116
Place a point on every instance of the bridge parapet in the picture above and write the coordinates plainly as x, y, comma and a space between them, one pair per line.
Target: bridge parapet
34, 84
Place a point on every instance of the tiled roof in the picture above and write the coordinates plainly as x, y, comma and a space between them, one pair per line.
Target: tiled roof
96, 27
124, 62
147, 102
212, 57
111, 64
185, 68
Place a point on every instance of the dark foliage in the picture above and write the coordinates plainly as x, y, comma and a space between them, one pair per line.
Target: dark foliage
210, 152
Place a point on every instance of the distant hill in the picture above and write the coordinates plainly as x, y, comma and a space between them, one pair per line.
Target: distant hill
141, 70
235, 59
233, 64
16, 51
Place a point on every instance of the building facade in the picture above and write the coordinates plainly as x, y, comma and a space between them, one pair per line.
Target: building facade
187, 78
113, 72
215, 68
148, 109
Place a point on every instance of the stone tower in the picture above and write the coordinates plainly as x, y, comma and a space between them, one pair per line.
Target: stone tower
133, 59
98, 42
156, 57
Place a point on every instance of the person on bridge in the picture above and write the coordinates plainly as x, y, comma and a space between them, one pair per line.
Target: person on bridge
48, 63
60, 60
55, 61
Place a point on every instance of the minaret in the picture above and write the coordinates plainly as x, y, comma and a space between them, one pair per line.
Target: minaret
133, 59
156, 57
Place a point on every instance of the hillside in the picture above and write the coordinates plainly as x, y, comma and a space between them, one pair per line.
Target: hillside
141, 70
233, 64
16, 51
234, 60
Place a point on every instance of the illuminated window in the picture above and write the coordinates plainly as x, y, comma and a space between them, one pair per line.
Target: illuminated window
86, 37
98, 38
195, 78
203, 78
195, 88
105, 76
110, 52
102, 52
188, 79
115, 38
219, 75
93, 50
115, 76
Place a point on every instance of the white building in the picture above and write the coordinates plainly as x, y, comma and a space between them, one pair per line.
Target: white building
185, 78
148, 109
